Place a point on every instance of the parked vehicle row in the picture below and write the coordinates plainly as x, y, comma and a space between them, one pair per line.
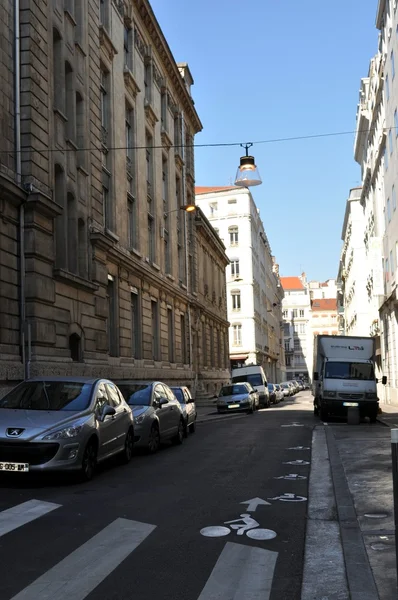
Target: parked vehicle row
74, 423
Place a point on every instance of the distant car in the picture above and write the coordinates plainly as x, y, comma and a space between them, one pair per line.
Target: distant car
64, 424
272, 393
279, 393
158, 415
253, 374
188, 406
287, 388
238, 396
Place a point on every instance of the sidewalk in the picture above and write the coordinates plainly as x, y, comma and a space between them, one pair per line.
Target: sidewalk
353, 507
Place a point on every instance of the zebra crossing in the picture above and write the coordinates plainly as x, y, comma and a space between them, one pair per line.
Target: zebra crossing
239, 571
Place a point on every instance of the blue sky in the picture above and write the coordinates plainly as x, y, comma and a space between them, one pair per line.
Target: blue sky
273, 69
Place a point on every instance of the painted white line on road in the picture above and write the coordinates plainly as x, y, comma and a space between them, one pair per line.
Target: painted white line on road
19, 515
241, 572
79, 573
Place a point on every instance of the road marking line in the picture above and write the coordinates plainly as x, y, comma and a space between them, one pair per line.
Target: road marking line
19, 515
241, 572
84, 569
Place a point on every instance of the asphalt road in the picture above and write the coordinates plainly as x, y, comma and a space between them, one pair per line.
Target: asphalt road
135, 530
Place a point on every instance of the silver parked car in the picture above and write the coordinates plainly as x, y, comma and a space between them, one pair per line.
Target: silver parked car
238, 396
64, 424
158, 415
184, 397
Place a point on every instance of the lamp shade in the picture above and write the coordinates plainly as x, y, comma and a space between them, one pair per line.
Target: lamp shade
247, 173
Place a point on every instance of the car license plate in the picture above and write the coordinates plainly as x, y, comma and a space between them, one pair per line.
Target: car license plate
14, 467
233, 405
350, 404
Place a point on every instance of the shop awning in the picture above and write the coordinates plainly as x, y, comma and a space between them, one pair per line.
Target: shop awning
239, 357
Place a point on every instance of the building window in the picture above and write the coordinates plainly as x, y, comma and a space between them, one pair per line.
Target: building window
288, 361
213, 209
165, 185
75, 347
385, 154
394, 198
390, 141
70, 103
104, 12
233, 235
135, 326
204, 344
212, 359
286, 329
104, 88
81, 248
285, 314
128, 48
301, 313
167, 257
296, 344
112, 319
163, 109
132, 221
149, 166
235, 299
237, 335
170, 333
71, 233
58, 74
235, 268
387, 84
294, 313
184, 357
151, 238
392, 65
388, 210
106, 199
295, 329
177, 133
155, 330
129, 135
148, 79
302, 328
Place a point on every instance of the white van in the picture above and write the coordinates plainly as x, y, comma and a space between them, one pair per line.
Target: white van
254, 375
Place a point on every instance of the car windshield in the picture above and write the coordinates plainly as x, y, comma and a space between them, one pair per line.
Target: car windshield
271, 387
49, 395
138, 394
233, 390
178, 394
253, 378
347, 370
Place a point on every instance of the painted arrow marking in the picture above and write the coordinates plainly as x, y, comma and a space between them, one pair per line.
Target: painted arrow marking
299, 448
296, 462
254, 503
289, 498
291, 477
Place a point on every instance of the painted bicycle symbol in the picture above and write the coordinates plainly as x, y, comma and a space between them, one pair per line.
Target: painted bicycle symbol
245, 524
289, 498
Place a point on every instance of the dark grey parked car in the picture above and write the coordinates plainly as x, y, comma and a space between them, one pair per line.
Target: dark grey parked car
238, 396
158, 415
64, 424
184, 397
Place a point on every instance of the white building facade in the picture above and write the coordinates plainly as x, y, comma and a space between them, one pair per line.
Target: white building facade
254, 292
296, 306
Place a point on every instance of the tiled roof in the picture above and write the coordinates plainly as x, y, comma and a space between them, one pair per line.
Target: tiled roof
209, 190
324, 304
292, 283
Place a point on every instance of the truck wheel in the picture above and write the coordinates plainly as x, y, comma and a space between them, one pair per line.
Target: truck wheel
323, 414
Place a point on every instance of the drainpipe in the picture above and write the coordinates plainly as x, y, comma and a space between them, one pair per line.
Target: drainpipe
18, 174
184, 196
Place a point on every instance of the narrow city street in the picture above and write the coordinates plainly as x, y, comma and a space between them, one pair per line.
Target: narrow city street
223, 516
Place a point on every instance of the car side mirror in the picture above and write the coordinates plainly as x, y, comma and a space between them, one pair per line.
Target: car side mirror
384, 380
316, 376
107, 411
162, 402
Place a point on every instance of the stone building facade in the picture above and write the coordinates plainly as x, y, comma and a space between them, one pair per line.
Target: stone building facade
254, 292
298, 338
98, 260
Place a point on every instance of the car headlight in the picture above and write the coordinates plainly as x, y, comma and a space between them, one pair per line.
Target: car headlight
138, 420
371, 395
64, 434
329, 394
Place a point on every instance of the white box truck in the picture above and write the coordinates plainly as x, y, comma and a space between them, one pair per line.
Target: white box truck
344, 376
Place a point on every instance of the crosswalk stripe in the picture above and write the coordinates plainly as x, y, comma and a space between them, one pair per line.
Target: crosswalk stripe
241, 572
19, 515
79, 573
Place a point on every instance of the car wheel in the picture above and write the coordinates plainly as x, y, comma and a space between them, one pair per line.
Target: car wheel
192, 427
179, 436
154, 439
89, 461
127, 453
